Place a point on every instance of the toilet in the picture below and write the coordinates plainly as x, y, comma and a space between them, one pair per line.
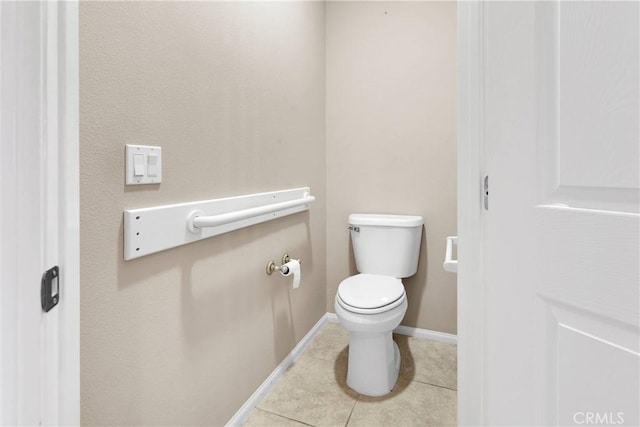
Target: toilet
370, 305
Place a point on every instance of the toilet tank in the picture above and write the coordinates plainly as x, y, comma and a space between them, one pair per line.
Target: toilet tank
388, 245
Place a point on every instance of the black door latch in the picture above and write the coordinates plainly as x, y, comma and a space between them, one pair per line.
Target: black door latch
49, 289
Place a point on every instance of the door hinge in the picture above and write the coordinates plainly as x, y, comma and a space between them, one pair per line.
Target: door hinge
485, 193
49, 289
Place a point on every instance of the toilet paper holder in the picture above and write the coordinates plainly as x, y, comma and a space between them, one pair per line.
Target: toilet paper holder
271, 266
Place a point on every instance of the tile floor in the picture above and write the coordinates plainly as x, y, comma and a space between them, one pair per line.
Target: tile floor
314, 392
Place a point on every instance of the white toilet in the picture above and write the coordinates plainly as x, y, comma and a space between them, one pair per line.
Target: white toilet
372, 304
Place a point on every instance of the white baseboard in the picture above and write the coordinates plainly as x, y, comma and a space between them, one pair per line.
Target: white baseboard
243, 413
332, 317
245, 410
412, 332
426, 334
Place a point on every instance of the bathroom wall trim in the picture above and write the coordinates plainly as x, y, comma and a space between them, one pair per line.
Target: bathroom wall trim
413, 332
39, 351
471, 171
68, 390
426, 334
245, 410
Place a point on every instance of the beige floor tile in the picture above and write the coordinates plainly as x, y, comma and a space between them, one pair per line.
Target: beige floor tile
330, 343
312, 391
427, 361
410, 403
260, 418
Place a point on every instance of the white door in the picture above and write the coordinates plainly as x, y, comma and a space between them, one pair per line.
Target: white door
39, 360
22, 231
561, 256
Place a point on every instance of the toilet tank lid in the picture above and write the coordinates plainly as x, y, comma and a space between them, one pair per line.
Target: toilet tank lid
386, 220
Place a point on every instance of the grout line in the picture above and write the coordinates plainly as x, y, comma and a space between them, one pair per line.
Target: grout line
320, 358
284, 416
352, 408
431, 384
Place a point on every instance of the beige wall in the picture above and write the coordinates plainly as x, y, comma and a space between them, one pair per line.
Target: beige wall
234, 94
391, 72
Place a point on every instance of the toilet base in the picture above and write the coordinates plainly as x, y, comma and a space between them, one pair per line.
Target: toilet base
374, 358
374, 363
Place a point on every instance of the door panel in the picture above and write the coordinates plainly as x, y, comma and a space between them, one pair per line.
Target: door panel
562, 233
587, 86
596, 51
583, 388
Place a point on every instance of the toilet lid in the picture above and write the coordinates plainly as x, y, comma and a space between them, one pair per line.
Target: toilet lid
370, 290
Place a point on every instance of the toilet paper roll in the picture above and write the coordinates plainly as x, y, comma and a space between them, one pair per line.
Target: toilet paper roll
292, 268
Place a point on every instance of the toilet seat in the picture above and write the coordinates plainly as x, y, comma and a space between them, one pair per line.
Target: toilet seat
370, 293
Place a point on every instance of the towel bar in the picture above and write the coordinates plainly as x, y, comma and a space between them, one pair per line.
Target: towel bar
151, 230
216, 220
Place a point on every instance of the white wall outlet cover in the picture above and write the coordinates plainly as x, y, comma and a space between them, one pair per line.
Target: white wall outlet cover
143, 164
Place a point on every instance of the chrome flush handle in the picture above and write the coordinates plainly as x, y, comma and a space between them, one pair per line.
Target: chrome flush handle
352, 228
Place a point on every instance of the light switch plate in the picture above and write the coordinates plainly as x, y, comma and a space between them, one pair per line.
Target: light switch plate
148, 152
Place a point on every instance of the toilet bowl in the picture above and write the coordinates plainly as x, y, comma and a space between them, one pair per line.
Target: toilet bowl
370, 305
374, 358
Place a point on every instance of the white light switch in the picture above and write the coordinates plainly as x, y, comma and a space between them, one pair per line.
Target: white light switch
143, 164
152, 165
138, 165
